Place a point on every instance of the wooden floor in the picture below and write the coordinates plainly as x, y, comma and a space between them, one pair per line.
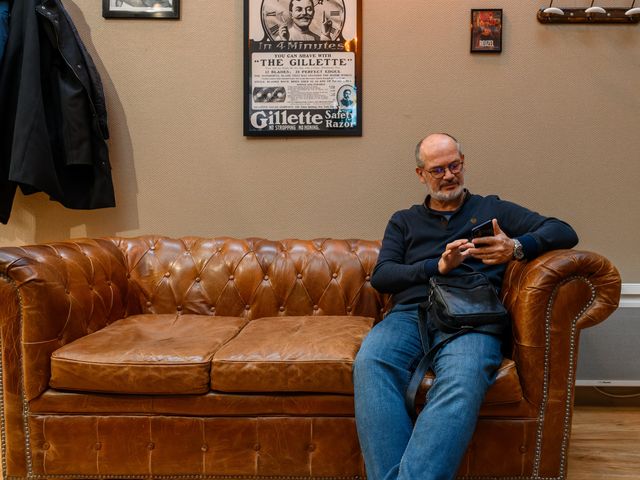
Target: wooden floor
605, 444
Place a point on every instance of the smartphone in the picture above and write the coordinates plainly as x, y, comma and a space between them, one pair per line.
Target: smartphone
485, 229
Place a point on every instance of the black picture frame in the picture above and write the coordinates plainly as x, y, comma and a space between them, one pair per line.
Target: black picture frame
151, 9
317, 88
486, 30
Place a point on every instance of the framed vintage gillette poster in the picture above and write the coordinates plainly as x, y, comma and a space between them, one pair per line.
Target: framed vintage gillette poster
303, 68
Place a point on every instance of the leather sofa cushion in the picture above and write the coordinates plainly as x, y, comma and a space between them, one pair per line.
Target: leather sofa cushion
145, 354
291, 354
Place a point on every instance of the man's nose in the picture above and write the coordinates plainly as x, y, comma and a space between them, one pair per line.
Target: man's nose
447, 174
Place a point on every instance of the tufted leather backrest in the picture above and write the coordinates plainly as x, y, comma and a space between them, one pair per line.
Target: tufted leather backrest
254, 277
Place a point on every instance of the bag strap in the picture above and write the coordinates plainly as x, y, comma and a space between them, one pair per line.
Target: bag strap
425, 362
429, 355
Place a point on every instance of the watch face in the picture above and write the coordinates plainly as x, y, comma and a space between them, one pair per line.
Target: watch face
518, 252
323, 18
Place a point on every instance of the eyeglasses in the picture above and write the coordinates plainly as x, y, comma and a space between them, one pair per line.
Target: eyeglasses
438, 172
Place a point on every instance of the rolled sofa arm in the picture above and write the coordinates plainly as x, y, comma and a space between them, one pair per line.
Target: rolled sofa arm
550, 300
49, 296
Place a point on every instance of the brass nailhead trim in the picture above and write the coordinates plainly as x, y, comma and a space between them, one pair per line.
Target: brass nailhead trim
194, 477
545, 386
25, 404
3, 433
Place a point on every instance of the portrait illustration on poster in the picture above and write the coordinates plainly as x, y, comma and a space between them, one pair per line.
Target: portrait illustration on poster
302, 20
302, 67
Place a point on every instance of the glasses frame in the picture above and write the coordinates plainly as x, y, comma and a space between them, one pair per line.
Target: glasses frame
438, 176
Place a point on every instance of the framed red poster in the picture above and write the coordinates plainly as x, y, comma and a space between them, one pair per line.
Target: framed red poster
486, 30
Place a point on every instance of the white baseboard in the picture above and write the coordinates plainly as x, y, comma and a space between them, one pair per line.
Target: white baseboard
630, 297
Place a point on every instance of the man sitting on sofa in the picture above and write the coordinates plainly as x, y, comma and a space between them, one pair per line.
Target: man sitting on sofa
426, 239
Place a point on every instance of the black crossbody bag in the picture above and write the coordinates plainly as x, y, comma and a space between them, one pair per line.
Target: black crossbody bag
455, 305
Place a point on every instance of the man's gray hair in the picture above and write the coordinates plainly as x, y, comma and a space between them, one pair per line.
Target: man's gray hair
419, 160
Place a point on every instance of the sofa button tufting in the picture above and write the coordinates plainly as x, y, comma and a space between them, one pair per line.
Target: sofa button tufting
282, 309
299, 275
148, 304
315, 307
335, 275
247, 307
167, 274
349, 309
523, 449
311, 447
151, 445
266, 278
45, 446
367, 278
204, 447
256, 447
197, 279
179, 308
98, 446
231, 277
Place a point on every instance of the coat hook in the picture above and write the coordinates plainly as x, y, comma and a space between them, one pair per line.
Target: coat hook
596, 9
551, 10
633, 11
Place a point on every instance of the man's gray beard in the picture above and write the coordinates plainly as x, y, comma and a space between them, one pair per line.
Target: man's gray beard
447, 196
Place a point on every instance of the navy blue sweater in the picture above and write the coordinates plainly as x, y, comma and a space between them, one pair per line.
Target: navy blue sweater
415, 238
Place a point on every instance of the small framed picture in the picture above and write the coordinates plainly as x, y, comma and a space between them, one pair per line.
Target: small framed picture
141, 9
486, 30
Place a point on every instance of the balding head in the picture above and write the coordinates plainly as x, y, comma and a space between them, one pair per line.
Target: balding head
432, 143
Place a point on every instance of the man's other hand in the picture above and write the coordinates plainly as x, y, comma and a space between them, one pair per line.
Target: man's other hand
453, 255
493, 250
283, 32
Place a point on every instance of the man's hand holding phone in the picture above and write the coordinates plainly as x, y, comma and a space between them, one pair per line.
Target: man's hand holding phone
490, 244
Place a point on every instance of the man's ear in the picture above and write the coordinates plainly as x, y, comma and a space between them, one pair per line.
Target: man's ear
420, 176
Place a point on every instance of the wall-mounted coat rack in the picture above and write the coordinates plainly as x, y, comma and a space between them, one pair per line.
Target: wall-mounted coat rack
590, 14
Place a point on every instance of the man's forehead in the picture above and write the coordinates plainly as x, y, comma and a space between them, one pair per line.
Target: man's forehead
438, 144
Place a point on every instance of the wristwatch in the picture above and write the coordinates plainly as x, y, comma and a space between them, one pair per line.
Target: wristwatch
518, 252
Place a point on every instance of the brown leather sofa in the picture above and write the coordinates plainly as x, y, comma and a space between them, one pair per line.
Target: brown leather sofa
199, 358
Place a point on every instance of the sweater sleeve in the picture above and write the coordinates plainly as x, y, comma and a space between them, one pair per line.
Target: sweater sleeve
391, 274
538, 234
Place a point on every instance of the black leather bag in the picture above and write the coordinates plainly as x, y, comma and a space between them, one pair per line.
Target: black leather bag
455, 305
467, 301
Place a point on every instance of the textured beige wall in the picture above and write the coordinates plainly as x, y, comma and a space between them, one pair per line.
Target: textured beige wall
553, 123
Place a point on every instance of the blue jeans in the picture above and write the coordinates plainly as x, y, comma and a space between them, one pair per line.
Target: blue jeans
392, 446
